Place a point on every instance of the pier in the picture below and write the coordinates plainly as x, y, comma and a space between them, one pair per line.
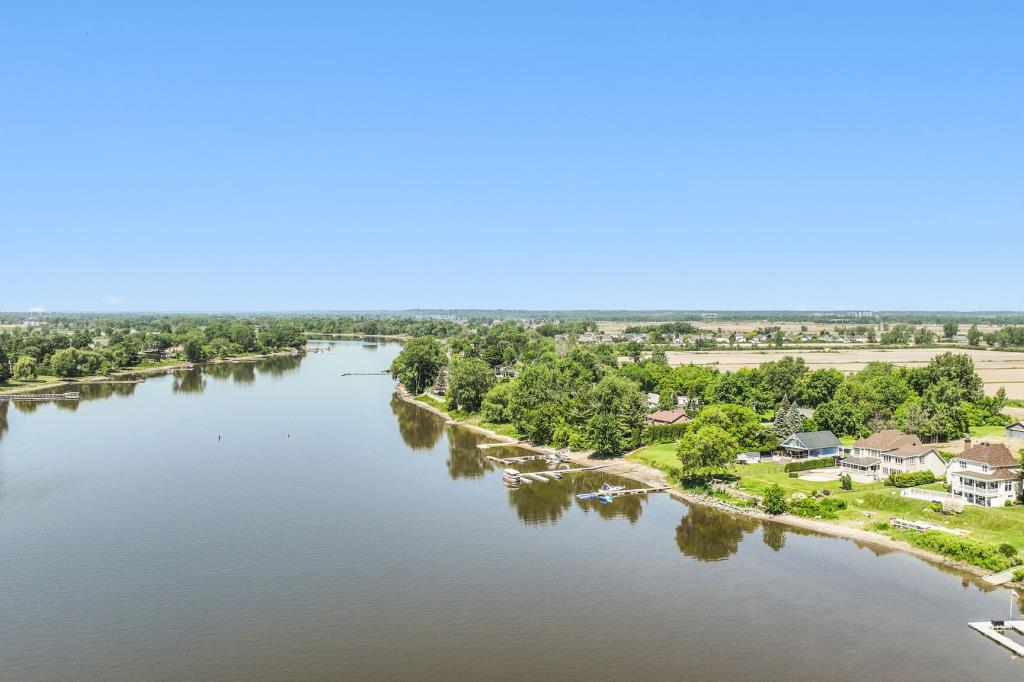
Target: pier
617, 493
41, 397
993, 629
364, 374
513, 477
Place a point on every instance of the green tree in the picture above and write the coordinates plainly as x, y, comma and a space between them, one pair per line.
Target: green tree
5, 365
194, 346
64, 363
535, 403
418, 364
25, 368
469, 379
774, 501
619, 401
706, 451
740, 422
973, 335
841, 418
950, 329
818, 386
495, 405
846, 482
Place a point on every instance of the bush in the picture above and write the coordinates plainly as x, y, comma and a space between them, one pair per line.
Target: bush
936, 506
825, 507
910, 480
983, 554
793, 474
664, 433
774, 501
1007, 550
846, 482
1018, 576
805, 464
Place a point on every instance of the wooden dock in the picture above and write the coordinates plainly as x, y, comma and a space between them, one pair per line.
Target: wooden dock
364, 374
993, 629
630, 491
41, 397
514, 477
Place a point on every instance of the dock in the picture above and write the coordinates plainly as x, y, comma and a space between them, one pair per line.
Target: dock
41, 397
364, 374
1001, 577
513, 477
993, 629
488, 446
617, 493
513, 460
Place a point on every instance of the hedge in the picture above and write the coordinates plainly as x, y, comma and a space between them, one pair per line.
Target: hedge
664, 433
805, 464
911, 479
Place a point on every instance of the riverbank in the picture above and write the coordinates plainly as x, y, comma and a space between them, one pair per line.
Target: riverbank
652, 477
49, 383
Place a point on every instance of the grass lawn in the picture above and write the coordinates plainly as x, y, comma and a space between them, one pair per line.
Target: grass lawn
433, 402
500, 429
981, 431
660, 456
14, 386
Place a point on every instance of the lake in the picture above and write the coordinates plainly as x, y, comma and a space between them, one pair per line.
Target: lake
275, 520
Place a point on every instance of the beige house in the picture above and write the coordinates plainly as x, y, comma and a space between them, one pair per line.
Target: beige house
891, 452
986, 474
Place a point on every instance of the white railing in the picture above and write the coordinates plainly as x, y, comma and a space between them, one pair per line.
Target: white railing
925, 494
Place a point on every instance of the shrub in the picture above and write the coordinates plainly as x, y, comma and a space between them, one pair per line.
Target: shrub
936, 506
774, 501
1018, 575
910, 480
825, 507
846, 482
793, 474
1007, 550
664, 433
983, 554
805, 464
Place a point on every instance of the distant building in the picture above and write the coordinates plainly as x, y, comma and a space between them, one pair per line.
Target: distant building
986, 474
652, 400
811, 444
668, 417
1015, 431
505, 372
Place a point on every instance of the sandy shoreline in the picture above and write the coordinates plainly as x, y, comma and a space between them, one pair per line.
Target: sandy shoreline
656, 478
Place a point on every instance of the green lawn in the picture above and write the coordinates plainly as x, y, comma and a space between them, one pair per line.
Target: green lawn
660, 456
980, 431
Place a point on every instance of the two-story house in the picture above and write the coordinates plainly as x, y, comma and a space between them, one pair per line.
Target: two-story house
891, 452
985, 474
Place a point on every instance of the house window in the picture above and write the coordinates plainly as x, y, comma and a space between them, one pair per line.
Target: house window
963, 464
984, 467
1008, 486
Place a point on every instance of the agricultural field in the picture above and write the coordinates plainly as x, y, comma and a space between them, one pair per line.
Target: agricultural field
996, 368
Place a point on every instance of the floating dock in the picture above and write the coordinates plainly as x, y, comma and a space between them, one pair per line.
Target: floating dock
364, 374
993, 629
41, 397
513, 477
521, 459
616, 493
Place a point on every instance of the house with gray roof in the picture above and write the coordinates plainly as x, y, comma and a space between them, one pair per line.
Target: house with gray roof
810, 444
1015, 432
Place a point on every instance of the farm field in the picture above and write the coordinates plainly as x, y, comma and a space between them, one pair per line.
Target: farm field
996, 368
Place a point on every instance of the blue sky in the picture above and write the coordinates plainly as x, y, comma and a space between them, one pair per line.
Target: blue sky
269, 156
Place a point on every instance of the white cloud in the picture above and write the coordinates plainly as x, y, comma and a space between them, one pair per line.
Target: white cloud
111, 300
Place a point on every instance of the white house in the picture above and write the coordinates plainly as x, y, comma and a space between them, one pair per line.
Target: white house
652, 400
986, 474
892, 452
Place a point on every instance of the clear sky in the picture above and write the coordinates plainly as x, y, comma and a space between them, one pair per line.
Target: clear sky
284, 156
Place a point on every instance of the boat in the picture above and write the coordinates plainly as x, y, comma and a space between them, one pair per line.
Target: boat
604, 494
609, 488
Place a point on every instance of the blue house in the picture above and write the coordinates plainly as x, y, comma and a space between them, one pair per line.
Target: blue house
811, 444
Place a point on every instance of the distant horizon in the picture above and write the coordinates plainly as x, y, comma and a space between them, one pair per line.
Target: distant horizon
864, 312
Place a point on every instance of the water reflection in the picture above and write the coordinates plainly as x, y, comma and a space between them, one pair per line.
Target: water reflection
240, 372
189, 381
278, 366
3, 418
773, 535
465, 459
545, 503
707, 534
419, 428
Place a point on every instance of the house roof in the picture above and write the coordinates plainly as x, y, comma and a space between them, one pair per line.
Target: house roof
669, 417
993, 454
914, 450
861, 461
814, 440
1002, 475
1016, 426
889, 439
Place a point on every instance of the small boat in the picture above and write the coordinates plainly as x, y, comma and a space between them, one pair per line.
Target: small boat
604, 494
609, 488
605, 499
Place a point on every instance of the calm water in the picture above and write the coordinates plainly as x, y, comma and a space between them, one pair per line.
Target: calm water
333, 533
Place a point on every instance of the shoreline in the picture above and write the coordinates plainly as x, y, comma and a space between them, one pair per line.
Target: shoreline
652, 477
122, 376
